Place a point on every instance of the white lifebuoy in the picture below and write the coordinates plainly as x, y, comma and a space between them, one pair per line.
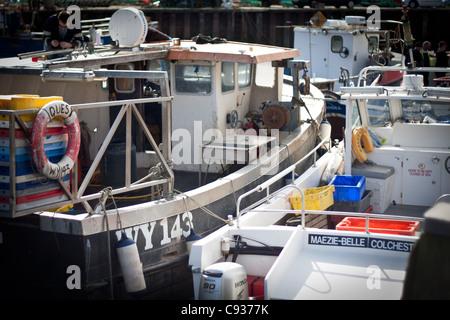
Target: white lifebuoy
53, 109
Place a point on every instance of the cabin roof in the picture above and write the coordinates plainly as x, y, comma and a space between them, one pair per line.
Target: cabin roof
187, 50
230, 51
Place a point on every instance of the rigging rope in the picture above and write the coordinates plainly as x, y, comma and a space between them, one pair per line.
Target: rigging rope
206, 210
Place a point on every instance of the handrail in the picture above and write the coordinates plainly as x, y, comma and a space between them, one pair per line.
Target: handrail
363, 72
443, 198
260, 188
269, 182
302, 211
341, 213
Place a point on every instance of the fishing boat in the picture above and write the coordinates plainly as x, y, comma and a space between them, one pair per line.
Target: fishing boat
339, 49
375, 208
163, 156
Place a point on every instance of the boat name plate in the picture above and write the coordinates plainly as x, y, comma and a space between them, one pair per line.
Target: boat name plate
360, 242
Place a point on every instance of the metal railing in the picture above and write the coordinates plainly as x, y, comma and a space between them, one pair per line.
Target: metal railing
77, 195
265, 185
302, 212
365, 215
363, 73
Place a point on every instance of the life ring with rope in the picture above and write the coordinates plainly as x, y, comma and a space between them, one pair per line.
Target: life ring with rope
361, 134
53, 109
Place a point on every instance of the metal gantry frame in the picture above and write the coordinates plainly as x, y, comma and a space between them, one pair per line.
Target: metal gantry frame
128, 109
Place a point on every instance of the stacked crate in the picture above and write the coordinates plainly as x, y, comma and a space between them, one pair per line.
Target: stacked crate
31, 188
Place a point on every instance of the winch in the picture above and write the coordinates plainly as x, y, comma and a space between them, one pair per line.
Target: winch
280, 115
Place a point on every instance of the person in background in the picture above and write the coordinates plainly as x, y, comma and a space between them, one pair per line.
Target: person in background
417, 57
426, 60
57, 35
441, 58
14, 20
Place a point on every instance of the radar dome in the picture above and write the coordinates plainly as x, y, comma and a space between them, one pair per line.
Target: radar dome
128, 26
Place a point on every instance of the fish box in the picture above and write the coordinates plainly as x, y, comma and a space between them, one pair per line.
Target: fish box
319, 198
24, 102
348, 188
400, 227
354, 206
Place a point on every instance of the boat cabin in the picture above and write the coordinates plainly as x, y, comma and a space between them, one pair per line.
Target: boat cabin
217, 88
409, 127
214, 88
339, 44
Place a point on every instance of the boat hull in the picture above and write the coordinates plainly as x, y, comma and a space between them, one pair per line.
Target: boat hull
68, 257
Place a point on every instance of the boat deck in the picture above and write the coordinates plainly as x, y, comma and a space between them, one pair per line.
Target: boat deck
344, 272
407, 210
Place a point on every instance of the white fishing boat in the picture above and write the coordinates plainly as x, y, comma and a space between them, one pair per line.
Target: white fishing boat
339, 49
168, 149
378, 202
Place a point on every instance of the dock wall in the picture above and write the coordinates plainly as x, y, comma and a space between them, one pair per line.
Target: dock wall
269, 25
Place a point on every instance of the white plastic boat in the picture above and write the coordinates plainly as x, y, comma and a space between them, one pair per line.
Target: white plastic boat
407, 174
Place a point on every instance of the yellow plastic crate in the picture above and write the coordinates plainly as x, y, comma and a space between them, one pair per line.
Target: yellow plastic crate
23, 102
320, 198
30, 102
5, 100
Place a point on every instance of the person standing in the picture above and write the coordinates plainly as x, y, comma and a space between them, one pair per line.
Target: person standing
441, 58
57, 35
416, 56
425, 53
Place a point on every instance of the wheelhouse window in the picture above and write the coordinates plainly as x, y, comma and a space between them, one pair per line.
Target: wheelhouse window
372, 44
337, 43
244, 75
124, 85
379, 112
356, 117
265, 75
193, 79
227, 76
417, 111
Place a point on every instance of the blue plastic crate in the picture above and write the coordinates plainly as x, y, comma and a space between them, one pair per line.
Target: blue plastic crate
35, 182
348, 188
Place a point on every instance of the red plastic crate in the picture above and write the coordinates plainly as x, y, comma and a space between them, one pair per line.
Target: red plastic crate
379, 226
50, 131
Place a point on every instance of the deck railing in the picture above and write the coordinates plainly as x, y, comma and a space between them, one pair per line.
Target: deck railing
275, 178
265, 186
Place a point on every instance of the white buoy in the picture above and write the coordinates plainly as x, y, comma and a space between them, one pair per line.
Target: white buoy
325, 129
130, 264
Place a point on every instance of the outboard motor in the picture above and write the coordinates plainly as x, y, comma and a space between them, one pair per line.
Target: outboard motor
224, 281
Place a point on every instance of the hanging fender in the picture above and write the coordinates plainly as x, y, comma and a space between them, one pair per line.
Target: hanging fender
53, 109
361, 134
130, 264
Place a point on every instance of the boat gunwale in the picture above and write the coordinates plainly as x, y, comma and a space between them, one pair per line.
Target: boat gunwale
85, 224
